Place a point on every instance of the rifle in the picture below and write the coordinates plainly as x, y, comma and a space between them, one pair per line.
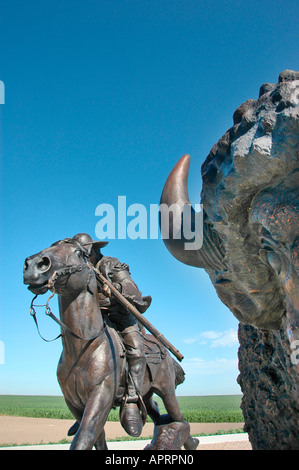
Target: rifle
144, 322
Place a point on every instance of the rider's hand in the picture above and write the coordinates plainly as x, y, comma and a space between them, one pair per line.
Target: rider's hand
106, 290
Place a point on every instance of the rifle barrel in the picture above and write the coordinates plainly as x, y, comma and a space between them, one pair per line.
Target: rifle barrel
140, 317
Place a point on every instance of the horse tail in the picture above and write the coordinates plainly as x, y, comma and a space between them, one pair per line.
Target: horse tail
179, 373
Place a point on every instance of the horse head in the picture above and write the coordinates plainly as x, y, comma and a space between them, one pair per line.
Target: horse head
65, 265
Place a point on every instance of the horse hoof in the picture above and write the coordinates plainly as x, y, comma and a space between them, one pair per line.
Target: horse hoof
191, 443
73, 429
131, 419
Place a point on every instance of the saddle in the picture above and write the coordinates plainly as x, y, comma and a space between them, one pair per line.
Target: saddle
154, 352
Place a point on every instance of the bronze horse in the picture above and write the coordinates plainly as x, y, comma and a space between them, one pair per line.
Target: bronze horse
91, 370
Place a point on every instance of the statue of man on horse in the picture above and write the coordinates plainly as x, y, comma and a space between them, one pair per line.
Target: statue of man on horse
119, 275
106, 362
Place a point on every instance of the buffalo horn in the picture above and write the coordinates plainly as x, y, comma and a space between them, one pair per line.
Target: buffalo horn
175, 194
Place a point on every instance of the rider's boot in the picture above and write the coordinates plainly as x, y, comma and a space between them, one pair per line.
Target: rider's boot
130, 416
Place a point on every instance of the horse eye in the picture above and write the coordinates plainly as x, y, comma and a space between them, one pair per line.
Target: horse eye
78, 252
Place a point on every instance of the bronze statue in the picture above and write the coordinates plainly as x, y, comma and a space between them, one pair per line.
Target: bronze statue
125, 323
92, 371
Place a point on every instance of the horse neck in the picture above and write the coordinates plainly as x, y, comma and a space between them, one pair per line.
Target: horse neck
82, 314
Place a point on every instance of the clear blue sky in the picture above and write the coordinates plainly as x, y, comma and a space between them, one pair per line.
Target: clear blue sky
101, 99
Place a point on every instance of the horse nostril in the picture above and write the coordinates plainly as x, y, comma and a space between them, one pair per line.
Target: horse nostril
44, 264
26, 264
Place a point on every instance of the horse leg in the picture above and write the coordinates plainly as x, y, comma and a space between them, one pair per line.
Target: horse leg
100, 443
171, 404
94, 418
77, 415
153, 410
173, 409
171, 430
152, 407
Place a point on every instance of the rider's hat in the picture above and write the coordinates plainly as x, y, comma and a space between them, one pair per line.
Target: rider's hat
84, 239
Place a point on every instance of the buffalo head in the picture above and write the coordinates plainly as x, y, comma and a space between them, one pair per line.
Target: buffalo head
250, 205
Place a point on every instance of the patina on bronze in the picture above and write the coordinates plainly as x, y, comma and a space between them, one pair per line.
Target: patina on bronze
92, 368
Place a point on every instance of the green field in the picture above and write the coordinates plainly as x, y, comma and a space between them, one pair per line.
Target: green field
196, 409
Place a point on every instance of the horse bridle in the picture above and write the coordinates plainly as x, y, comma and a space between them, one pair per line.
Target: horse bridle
51, 285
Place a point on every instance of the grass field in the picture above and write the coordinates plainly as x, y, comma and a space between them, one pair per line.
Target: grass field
196, 409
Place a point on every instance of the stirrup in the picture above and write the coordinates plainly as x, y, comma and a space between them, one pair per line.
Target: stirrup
142, 409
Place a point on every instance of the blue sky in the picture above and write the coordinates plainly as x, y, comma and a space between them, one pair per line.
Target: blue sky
101, 99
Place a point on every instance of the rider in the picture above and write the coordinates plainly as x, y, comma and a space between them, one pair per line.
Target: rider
119, 275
